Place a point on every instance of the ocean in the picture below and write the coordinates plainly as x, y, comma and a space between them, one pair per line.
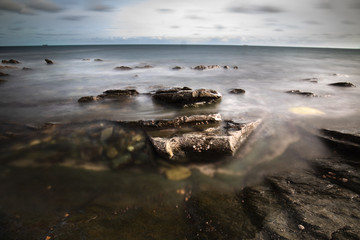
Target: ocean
68, 170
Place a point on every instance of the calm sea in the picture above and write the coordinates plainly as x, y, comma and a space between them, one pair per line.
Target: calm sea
50, 92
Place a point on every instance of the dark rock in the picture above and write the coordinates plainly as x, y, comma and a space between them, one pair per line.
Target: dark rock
87, 99
185, 96
7, 67
48, 61
26, 68
115, 93
86, 59
235, 67
146, 66
98, 60
342, 84
237, 91
214, 67
226, 67
200, 67
3, 74
123, 68
213, 143
11, 61
298, 92
312, 80
177, 68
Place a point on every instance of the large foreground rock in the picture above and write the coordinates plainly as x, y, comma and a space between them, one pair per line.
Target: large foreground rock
186, 96
206, 138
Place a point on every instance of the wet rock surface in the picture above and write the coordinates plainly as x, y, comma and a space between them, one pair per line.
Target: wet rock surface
177, 68
119, 94
207, 138
342, 84
2, 74
186, 96
237, 91
123, 68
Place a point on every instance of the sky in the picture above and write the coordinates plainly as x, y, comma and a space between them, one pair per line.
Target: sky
304, 23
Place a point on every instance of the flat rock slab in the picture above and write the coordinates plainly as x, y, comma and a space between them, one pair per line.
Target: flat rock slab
342, 84
185, 96
109, 94
207, 144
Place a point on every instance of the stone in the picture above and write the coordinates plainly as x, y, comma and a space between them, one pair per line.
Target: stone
87, 99
146, 66
342, 84
185, 97
237, 91
207, 145
48, 61
177, 68
116, 93
214, 67
26, 68
298, 92
235, 67
200, 67
98, 60
226, 67
177, 173
10, 61
123, 68
3, 74
7, 67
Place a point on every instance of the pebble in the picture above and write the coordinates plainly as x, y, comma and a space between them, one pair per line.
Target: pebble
301, 227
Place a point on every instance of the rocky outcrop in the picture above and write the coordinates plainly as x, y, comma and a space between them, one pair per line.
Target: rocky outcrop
10, 61
48, 61
298, 92
237, 91
109, 94
186, 96
123, 68
342, 84
208, 138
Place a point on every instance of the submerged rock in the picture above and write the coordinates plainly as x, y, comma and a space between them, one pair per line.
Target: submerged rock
342, 84
123, 68
98, 60
7, 67
87, 99
26, 68
177, 68
236, 67
109, 94
186, 96
214, 67
298, 92
210, 143
10, 61
312, 80
226, 67
237, 91
146, 66
2, 81
48, 61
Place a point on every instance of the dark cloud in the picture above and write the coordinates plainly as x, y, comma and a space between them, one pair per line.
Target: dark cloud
44, 5
255, 9
165, 10
73, 18
100, 8
11, 6
312, 22
324, 5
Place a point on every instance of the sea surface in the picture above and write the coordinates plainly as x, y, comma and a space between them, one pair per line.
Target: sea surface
48, 191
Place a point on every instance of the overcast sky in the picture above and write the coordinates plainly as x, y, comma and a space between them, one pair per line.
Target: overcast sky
321, 23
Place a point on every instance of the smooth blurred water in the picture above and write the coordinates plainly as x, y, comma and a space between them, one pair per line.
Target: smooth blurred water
50, 92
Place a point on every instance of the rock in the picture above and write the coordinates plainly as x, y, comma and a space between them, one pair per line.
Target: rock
2, 81
342, 84
146, 66
11, 61
48, 61
177, 68
116, 93
312, 80
123, 68
237, 91
87, 99
98, 60
235, 67
3, 74
183, 96
111, 152
214, 67
26, 68
298, 92
226, 67
177, 173
209, 144
86, 59
7, 67
200, 67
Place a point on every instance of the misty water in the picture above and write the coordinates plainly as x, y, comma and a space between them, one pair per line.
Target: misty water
49, 189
